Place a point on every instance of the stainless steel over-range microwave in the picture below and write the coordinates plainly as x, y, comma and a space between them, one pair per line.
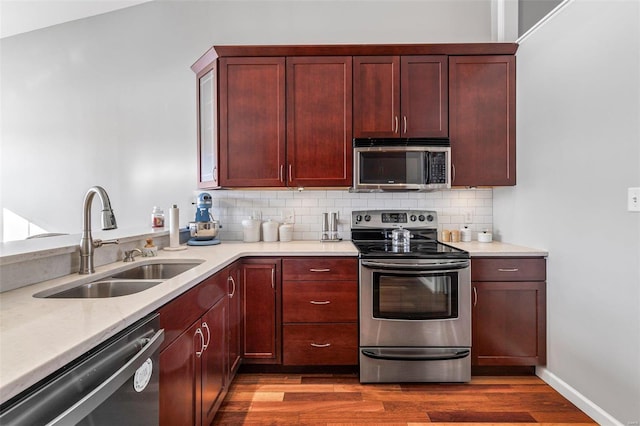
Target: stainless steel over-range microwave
401, 164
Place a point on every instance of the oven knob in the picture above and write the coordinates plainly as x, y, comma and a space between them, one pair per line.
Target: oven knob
367, 218
421, 218
359, 218
413, 218
429, 218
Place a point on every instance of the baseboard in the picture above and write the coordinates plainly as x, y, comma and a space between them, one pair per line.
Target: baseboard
583, 403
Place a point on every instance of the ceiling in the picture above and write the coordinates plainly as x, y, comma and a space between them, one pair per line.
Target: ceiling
20, 16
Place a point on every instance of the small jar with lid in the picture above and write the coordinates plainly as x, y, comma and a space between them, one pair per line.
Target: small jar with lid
157, 218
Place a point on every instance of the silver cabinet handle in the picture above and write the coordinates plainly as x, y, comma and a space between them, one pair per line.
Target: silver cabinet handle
199, 332
322, 302
453, 173
508, 269
320, 345
320, 270
233, 293
93, 399
395, 128
281, 173
475, 296
215, 175
206, 345
404, 119
290, 173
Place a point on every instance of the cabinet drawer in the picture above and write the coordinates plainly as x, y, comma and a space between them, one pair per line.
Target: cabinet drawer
508, 269
317, 301
320, 268
320, 344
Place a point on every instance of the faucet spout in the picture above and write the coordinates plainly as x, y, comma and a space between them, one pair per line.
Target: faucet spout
87, 244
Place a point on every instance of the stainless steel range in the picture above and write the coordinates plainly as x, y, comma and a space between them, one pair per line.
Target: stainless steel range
415, 299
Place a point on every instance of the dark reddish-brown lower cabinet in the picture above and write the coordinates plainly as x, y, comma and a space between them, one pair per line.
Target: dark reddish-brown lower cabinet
261, 306
320, 311
509, 311
194, 356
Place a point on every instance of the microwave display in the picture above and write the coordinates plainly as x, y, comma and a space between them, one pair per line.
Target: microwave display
400, 167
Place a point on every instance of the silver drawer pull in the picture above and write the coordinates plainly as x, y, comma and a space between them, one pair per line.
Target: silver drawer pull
319, 302
508, 269
320, 345
319, 270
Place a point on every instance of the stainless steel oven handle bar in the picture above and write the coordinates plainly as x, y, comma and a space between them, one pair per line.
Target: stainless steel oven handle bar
416, 357
399, 266
93, 399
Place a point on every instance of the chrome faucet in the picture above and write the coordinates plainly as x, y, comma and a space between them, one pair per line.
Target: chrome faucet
87, 243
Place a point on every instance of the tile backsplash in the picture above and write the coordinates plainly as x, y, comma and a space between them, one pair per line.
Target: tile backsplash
453, 206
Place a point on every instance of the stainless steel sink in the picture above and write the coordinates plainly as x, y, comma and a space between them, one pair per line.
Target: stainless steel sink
133, 280
104, 288
155, 271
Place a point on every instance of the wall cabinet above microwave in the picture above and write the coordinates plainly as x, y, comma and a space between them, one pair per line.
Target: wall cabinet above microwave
285, 116
400, 96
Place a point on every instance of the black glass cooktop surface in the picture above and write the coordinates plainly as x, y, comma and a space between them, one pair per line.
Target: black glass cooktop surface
427, 249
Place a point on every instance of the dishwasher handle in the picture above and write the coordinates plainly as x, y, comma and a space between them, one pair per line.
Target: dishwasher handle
97, 396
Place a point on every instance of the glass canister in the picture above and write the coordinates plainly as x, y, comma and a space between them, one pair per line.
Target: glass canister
400, 238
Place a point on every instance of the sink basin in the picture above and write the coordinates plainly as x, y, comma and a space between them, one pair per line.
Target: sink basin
133, 280
104, 288
155, 271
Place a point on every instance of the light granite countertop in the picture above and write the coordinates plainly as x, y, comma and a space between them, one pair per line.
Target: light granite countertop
38, 336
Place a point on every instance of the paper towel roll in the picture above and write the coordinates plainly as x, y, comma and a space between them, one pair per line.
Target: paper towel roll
174, 226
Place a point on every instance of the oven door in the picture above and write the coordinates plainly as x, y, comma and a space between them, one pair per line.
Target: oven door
415, 305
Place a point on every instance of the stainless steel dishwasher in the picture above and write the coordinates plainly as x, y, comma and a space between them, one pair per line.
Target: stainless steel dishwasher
113, 384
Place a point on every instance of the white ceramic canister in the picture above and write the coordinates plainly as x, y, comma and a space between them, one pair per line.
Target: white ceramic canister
286, 232
270, 230
485, 237
251, 230
465, 234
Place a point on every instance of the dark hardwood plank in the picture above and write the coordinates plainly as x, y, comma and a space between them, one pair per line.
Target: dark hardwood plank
332, 400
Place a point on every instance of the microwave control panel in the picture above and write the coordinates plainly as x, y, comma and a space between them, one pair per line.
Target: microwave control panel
437, 167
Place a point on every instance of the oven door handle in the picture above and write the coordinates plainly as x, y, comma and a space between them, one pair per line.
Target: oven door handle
463, 353
448, 264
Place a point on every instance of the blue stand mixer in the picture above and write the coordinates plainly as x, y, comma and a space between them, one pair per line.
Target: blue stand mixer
204, 229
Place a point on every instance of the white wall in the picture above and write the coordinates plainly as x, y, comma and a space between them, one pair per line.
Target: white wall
578, 127
110, 100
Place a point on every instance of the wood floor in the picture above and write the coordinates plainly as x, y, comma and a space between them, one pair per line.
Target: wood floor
317, 399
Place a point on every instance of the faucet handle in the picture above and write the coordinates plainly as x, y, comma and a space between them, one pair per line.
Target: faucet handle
99, 243
129, 255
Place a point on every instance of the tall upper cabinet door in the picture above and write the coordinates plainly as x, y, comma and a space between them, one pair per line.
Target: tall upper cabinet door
319, 121
482, 116
252, 122
376, 96
207, 98
424, 96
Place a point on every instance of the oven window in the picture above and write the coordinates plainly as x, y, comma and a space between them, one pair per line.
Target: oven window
415, 297
391, 167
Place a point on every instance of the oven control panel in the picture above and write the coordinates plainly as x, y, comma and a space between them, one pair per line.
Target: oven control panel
426, 219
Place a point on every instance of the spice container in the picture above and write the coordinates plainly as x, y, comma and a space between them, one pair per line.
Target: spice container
157, 218
455, 236
445, 236
465, 234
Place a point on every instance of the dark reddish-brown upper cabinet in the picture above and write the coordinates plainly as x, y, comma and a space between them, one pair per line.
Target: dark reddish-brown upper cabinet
400, 96
207, 103
482, 117
319, 124
252, 122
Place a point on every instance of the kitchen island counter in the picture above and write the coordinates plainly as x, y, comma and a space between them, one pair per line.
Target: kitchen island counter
38, 336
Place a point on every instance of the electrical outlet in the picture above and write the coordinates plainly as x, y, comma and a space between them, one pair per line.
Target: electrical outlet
288, 216
468, 215
633, 200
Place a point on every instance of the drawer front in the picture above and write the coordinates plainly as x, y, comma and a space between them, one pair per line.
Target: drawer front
320, 268
508, 269
317, 301
320, 344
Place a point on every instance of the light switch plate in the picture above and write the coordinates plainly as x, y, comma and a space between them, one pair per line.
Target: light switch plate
288, 216
633, 200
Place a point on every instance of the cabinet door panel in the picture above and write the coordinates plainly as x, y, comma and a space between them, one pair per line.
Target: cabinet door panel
214, 359
376, 96
180, 380
482, 119
319, 268
424, 96
509, 323
260, 295
319, 135
252, 122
